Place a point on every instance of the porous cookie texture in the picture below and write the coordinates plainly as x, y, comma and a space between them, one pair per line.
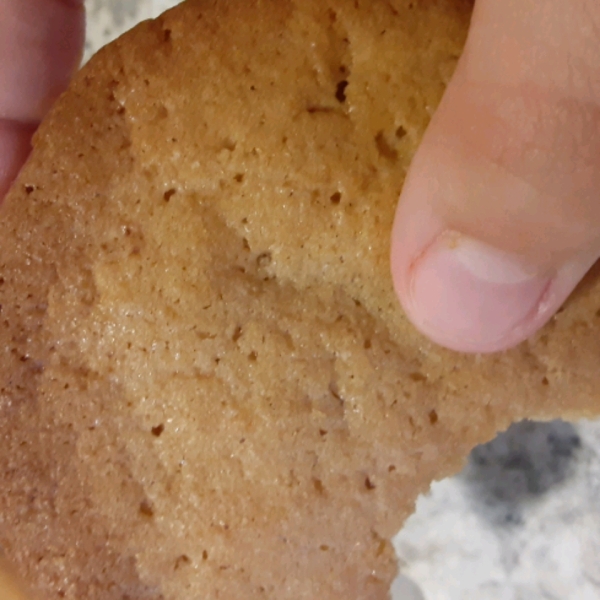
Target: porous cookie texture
207, 387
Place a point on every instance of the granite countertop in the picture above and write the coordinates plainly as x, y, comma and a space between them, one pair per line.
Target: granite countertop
521, 522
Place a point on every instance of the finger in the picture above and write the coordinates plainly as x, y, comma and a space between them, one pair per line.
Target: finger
40, 47
10, 588
14, 148
500, 213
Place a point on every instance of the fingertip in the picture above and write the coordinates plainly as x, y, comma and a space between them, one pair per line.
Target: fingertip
456, 285
41, 44
498, 219
465, 294
15, 145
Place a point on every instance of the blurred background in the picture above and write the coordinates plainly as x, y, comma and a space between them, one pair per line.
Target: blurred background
521, 522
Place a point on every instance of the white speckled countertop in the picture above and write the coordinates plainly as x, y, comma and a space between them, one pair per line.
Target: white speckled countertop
521, 522
107, 19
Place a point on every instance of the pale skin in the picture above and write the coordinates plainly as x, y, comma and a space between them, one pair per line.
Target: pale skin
499, 218
500, 215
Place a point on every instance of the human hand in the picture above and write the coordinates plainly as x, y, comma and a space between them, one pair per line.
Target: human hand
40, 46
499, 218
41, 42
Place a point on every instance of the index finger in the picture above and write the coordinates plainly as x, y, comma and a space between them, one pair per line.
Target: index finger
40, 47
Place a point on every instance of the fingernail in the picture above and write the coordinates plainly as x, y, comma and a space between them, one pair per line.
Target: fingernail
469, 296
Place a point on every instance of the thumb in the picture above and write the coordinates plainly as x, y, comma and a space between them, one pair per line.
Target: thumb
499, 217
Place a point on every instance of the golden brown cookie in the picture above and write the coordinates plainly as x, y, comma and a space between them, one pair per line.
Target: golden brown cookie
207, 387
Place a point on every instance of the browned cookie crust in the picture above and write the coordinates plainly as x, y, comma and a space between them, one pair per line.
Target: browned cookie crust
207, 388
